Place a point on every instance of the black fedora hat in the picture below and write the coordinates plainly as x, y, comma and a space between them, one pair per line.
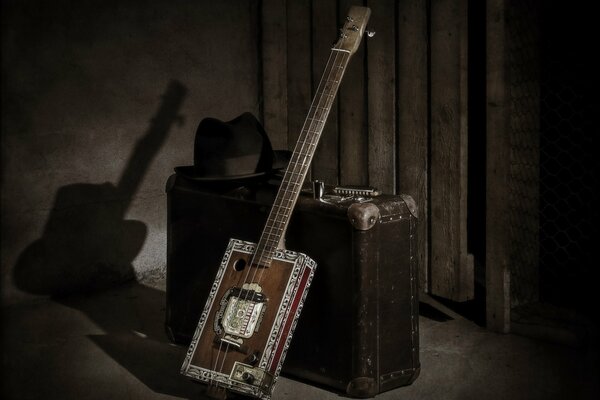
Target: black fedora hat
233, 150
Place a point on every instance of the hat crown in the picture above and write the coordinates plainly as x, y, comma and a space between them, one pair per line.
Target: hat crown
235, 148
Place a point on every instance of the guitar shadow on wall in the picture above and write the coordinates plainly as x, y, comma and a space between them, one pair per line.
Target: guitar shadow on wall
87, 243
88, 246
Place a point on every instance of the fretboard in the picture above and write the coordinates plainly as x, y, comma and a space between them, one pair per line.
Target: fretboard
302, 155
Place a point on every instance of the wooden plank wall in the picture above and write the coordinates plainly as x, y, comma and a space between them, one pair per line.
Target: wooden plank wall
381, 78
378, 132
412, 123
325, 25
365, 152
497, 261
274, 71
352, 100
299, 70
451, 266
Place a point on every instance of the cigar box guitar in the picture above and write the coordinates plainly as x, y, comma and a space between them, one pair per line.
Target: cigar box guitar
247, 323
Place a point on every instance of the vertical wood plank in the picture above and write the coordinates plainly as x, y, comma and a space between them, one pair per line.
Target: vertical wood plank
381, 96
353, 115
274, 71
451, 266
299, 68
412, 104
325, 32
497, 172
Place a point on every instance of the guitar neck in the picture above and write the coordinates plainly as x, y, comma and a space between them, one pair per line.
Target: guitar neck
302, 155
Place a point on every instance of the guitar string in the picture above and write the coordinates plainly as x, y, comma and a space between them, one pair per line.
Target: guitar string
323, 95
258, 250
311, 141
331, 68
300, 174
302, 157
269, 229
274, 214
213, 374
317, 125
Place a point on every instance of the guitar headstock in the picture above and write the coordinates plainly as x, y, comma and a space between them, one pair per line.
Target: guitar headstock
353, 29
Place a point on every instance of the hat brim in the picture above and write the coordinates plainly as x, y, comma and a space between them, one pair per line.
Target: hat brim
281, 158
194, 173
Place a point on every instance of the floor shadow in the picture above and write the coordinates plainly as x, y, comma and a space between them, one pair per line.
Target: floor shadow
430, 312
473, 310
87, 245
133, 318
136, 339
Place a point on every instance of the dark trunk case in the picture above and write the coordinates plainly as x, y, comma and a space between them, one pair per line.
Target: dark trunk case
358, 332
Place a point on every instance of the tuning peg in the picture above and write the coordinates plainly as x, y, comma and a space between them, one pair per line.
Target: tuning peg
370, 33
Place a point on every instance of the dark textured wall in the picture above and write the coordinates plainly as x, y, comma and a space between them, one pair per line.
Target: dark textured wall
100, 100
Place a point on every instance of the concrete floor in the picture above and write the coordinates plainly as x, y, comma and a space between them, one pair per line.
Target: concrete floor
111, 345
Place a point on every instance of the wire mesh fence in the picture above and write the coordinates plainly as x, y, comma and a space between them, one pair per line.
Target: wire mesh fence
524, 131
552, 203
566, 161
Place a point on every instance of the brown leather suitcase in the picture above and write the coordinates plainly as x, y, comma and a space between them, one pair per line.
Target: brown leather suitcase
358, 332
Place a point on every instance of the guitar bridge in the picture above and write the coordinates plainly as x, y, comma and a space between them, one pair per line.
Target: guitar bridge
232, 343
